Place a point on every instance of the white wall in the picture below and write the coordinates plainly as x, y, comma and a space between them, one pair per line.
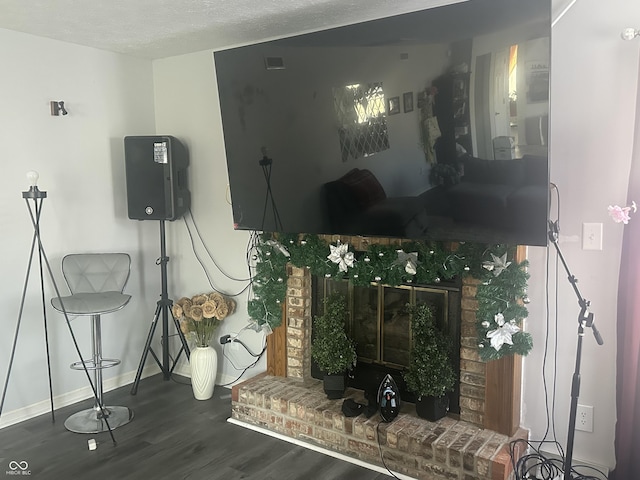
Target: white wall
187, 107
594, 84
81, 164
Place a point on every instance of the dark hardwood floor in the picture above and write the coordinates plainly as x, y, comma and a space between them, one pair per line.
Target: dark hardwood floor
172, 436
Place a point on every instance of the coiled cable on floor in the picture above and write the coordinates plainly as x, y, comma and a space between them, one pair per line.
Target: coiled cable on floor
536, 466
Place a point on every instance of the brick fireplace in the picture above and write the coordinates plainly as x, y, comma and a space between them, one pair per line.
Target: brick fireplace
473, 445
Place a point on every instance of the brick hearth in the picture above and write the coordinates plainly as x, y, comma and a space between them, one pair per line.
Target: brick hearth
471, 446
444, 450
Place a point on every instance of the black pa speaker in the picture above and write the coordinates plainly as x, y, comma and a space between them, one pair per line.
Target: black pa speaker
156, 171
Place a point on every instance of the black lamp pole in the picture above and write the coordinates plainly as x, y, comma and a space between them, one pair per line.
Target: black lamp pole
38, 197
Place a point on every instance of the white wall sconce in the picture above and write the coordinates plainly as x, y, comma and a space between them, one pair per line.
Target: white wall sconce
629, 33
57, 108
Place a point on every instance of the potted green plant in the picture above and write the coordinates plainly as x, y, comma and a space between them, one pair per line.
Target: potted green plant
430, 374
332, 349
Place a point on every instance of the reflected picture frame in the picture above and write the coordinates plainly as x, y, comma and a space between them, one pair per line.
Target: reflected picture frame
407, 101
393, 105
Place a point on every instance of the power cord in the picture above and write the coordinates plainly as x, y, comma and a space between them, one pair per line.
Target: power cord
195, 226
226, 339
380, 450
550, 415
536, 465
250, 257
244, 370
201, 262
258, 356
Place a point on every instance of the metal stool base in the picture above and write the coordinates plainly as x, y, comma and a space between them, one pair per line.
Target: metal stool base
91, 421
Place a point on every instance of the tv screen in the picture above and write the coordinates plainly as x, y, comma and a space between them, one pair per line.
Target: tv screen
431, 125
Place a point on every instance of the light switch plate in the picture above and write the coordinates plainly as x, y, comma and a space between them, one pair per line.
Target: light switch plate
592, 236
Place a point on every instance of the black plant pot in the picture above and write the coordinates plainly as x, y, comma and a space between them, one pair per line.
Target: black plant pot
335, 385
432, 408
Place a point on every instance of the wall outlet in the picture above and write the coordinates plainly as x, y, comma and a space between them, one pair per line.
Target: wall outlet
584, 418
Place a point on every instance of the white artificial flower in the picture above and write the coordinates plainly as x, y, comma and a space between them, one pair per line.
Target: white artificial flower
502, 334
277, 245
497, 265
341, 255
408, 260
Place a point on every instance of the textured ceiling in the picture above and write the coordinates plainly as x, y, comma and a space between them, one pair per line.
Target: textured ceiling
164, 28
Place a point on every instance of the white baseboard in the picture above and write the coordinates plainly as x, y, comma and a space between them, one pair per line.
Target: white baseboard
316, 448
69, 398
183, 369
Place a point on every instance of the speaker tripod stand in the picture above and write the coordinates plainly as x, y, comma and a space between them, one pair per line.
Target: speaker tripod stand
163, 310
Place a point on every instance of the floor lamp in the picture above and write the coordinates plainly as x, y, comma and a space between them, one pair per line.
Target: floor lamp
37, 196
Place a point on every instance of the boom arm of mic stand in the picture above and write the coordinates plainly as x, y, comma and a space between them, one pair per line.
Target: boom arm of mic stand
585, 318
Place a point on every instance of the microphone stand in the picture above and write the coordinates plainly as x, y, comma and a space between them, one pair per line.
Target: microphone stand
585, 320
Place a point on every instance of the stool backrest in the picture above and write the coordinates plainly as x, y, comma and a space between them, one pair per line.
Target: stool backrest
96, 272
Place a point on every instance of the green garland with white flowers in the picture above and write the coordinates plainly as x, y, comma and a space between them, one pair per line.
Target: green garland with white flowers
501, 292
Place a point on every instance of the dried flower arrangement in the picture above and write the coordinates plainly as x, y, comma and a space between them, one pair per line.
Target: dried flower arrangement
201, 315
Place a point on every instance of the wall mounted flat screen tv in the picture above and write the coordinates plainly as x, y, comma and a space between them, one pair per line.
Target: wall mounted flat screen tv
430, 125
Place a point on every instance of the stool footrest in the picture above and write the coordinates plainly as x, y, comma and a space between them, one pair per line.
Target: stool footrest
91, 365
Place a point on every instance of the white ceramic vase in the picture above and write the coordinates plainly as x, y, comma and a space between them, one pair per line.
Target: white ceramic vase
204, 368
